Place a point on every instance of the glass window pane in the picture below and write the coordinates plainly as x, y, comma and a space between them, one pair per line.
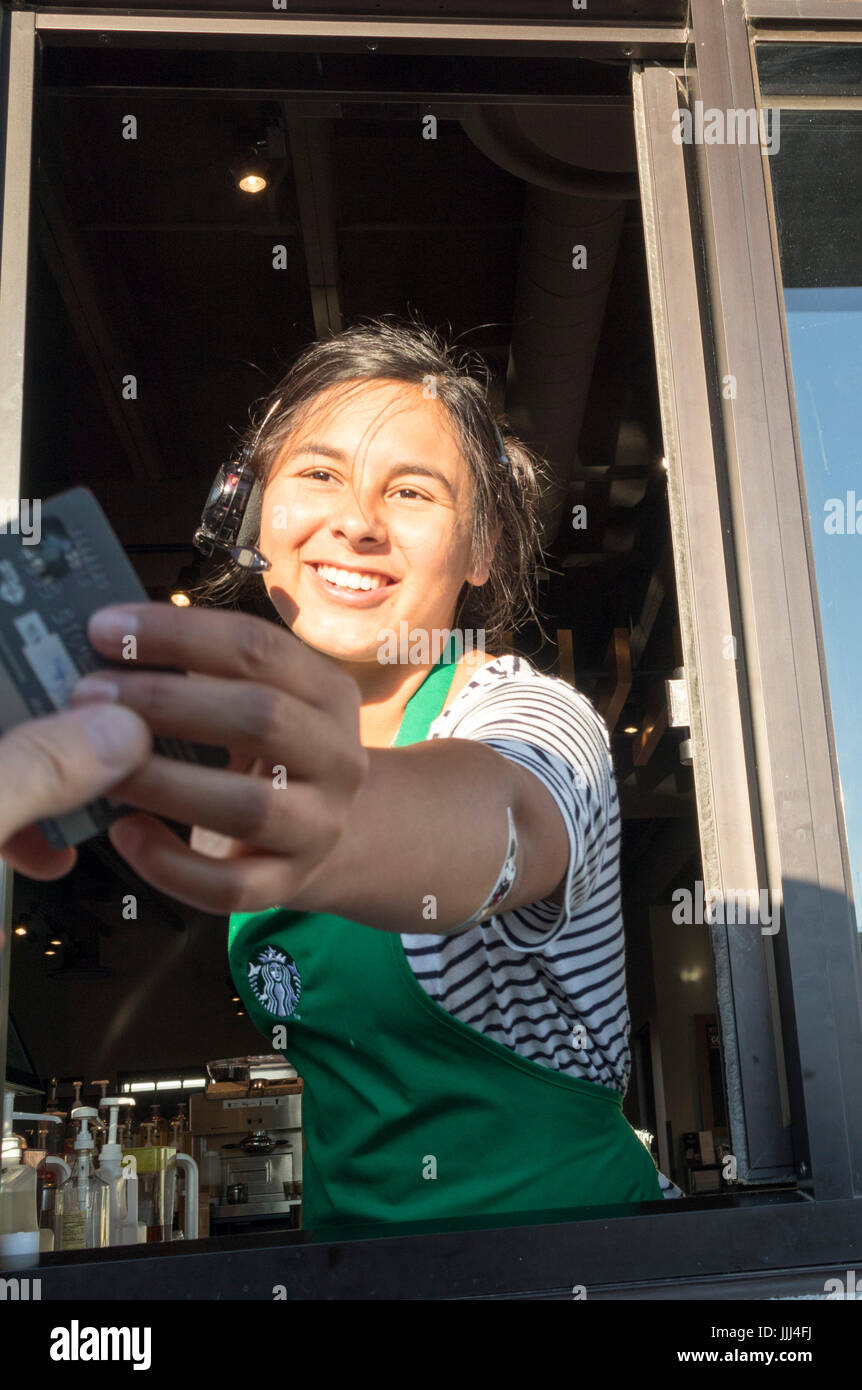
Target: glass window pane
816, 173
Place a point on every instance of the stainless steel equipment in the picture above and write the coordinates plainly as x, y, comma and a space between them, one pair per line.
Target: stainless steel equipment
247, 1139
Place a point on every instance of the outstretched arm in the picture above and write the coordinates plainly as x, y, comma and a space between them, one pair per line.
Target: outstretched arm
323, 824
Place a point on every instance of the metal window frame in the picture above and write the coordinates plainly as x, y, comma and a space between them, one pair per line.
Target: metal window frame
817, 951
17, 86
731, 856
604, 1249
820, 12
408, 35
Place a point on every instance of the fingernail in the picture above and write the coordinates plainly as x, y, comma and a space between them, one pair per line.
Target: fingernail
94, 688
110, 729
113, 624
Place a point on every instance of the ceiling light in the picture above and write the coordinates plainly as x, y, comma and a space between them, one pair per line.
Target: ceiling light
259, 156
251, 171
254, 180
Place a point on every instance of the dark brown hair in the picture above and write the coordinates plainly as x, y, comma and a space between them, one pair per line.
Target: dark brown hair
503, 493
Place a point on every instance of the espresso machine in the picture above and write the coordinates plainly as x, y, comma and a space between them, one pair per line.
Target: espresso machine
246, 1132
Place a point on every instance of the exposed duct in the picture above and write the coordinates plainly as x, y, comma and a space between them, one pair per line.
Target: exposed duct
561, 292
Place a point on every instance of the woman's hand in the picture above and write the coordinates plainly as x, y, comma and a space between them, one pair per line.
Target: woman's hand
288, 716
56, 764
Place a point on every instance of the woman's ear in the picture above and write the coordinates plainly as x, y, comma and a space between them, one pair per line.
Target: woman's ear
480, 572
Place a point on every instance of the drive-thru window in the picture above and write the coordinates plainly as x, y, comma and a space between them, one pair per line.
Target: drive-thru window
647, 225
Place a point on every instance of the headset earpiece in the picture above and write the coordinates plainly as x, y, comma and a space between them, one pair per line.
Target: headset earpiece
249, 530
231, 517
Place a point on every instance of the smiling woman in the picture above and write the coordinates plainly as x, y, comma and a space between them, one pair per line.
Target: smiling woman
432, 404
441, 836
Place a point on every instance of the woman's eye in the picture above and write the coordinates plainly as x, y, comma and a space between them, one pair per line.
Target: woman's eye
323, 473
410, 492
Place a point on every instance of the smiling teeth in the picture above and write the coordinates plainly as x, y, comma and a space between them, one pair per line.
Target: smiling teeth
349, 579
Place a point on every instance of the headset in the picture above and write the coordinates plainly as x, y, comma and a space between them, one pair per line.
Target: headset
231, 516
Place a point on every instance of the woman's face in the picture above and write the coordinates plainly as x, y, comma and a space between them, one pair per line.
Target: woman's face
367, 520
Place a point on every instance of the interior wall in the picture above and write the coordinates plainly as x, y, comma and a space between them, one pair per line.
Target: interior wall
168, 1004
684, 986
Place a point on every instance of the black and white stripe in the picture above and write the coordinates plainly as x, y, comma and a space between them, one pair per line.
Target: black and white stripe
528, 978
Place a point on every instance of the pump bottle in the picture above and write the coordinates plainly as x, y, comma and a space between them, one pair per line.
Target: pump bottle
122, 1177
71, 1130
19, 1222
84, 1201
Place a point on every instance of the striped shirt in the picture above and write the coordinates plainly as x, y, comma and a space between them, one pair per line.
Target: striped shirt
546, 980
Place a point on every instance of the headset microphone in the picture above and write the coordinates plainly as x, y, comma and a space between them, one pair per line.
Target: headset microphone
231, 517
231, 514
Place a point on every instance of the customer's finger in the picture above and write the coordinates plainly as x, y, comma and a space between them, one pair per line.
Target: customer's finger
56, 764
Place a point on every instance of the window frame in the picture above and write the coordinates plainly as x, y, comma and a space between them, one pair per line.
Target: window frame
726, 1235
817, 955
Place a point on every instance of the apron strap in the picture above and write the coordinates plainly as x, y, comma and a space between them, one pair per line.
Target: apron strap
427, 702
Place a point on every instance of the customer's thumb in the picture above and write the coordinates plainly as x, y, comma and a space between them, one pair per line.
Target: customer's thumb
52, 765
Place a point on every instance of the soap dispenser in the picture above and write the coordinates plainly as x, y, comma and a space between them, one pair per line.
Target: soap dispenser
121, 1174
19, 1222
71, 1128
84, 1200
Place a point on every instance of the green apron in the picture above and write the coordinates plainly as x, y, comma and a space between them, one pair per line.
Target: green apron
408, 1113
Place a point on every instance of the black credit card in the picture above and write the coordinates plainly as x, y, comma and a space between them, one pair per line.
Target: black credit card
55, 571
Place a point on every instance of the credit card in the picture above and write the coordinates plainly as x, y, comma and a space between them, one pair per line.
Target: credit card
53, 576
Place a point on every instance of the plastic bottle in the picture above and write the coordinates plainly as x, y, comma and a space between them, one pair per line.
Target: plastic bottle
160, 1125
53, 1108
19, 1222
72, 1126
121, 1176
180, 1137
84, 1200
51, 1170
180, 1142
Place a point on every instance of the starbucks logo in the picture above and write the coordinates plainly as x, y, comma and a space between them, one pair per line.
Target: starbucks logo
274, 981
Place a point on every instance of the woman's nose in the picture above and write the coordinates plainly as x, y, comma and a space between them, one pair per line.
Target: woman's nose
357, 524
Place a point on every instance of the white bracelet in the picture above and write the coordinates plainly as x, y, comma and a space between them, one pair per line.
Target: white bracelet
505, 878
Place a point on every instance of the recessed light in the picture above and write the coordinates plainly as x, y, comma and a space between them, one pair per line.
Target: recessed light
252, 182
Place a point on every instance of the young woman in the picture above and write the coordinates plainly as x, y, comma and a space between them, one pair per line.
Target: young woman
438, 827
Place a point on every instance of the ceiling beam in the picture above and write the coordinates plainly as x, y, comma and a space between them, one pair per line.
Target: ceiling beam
312, 158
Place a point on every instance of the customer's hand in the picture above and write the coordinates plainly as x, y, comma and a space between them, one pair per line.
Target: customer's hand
57, 764
290, 720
